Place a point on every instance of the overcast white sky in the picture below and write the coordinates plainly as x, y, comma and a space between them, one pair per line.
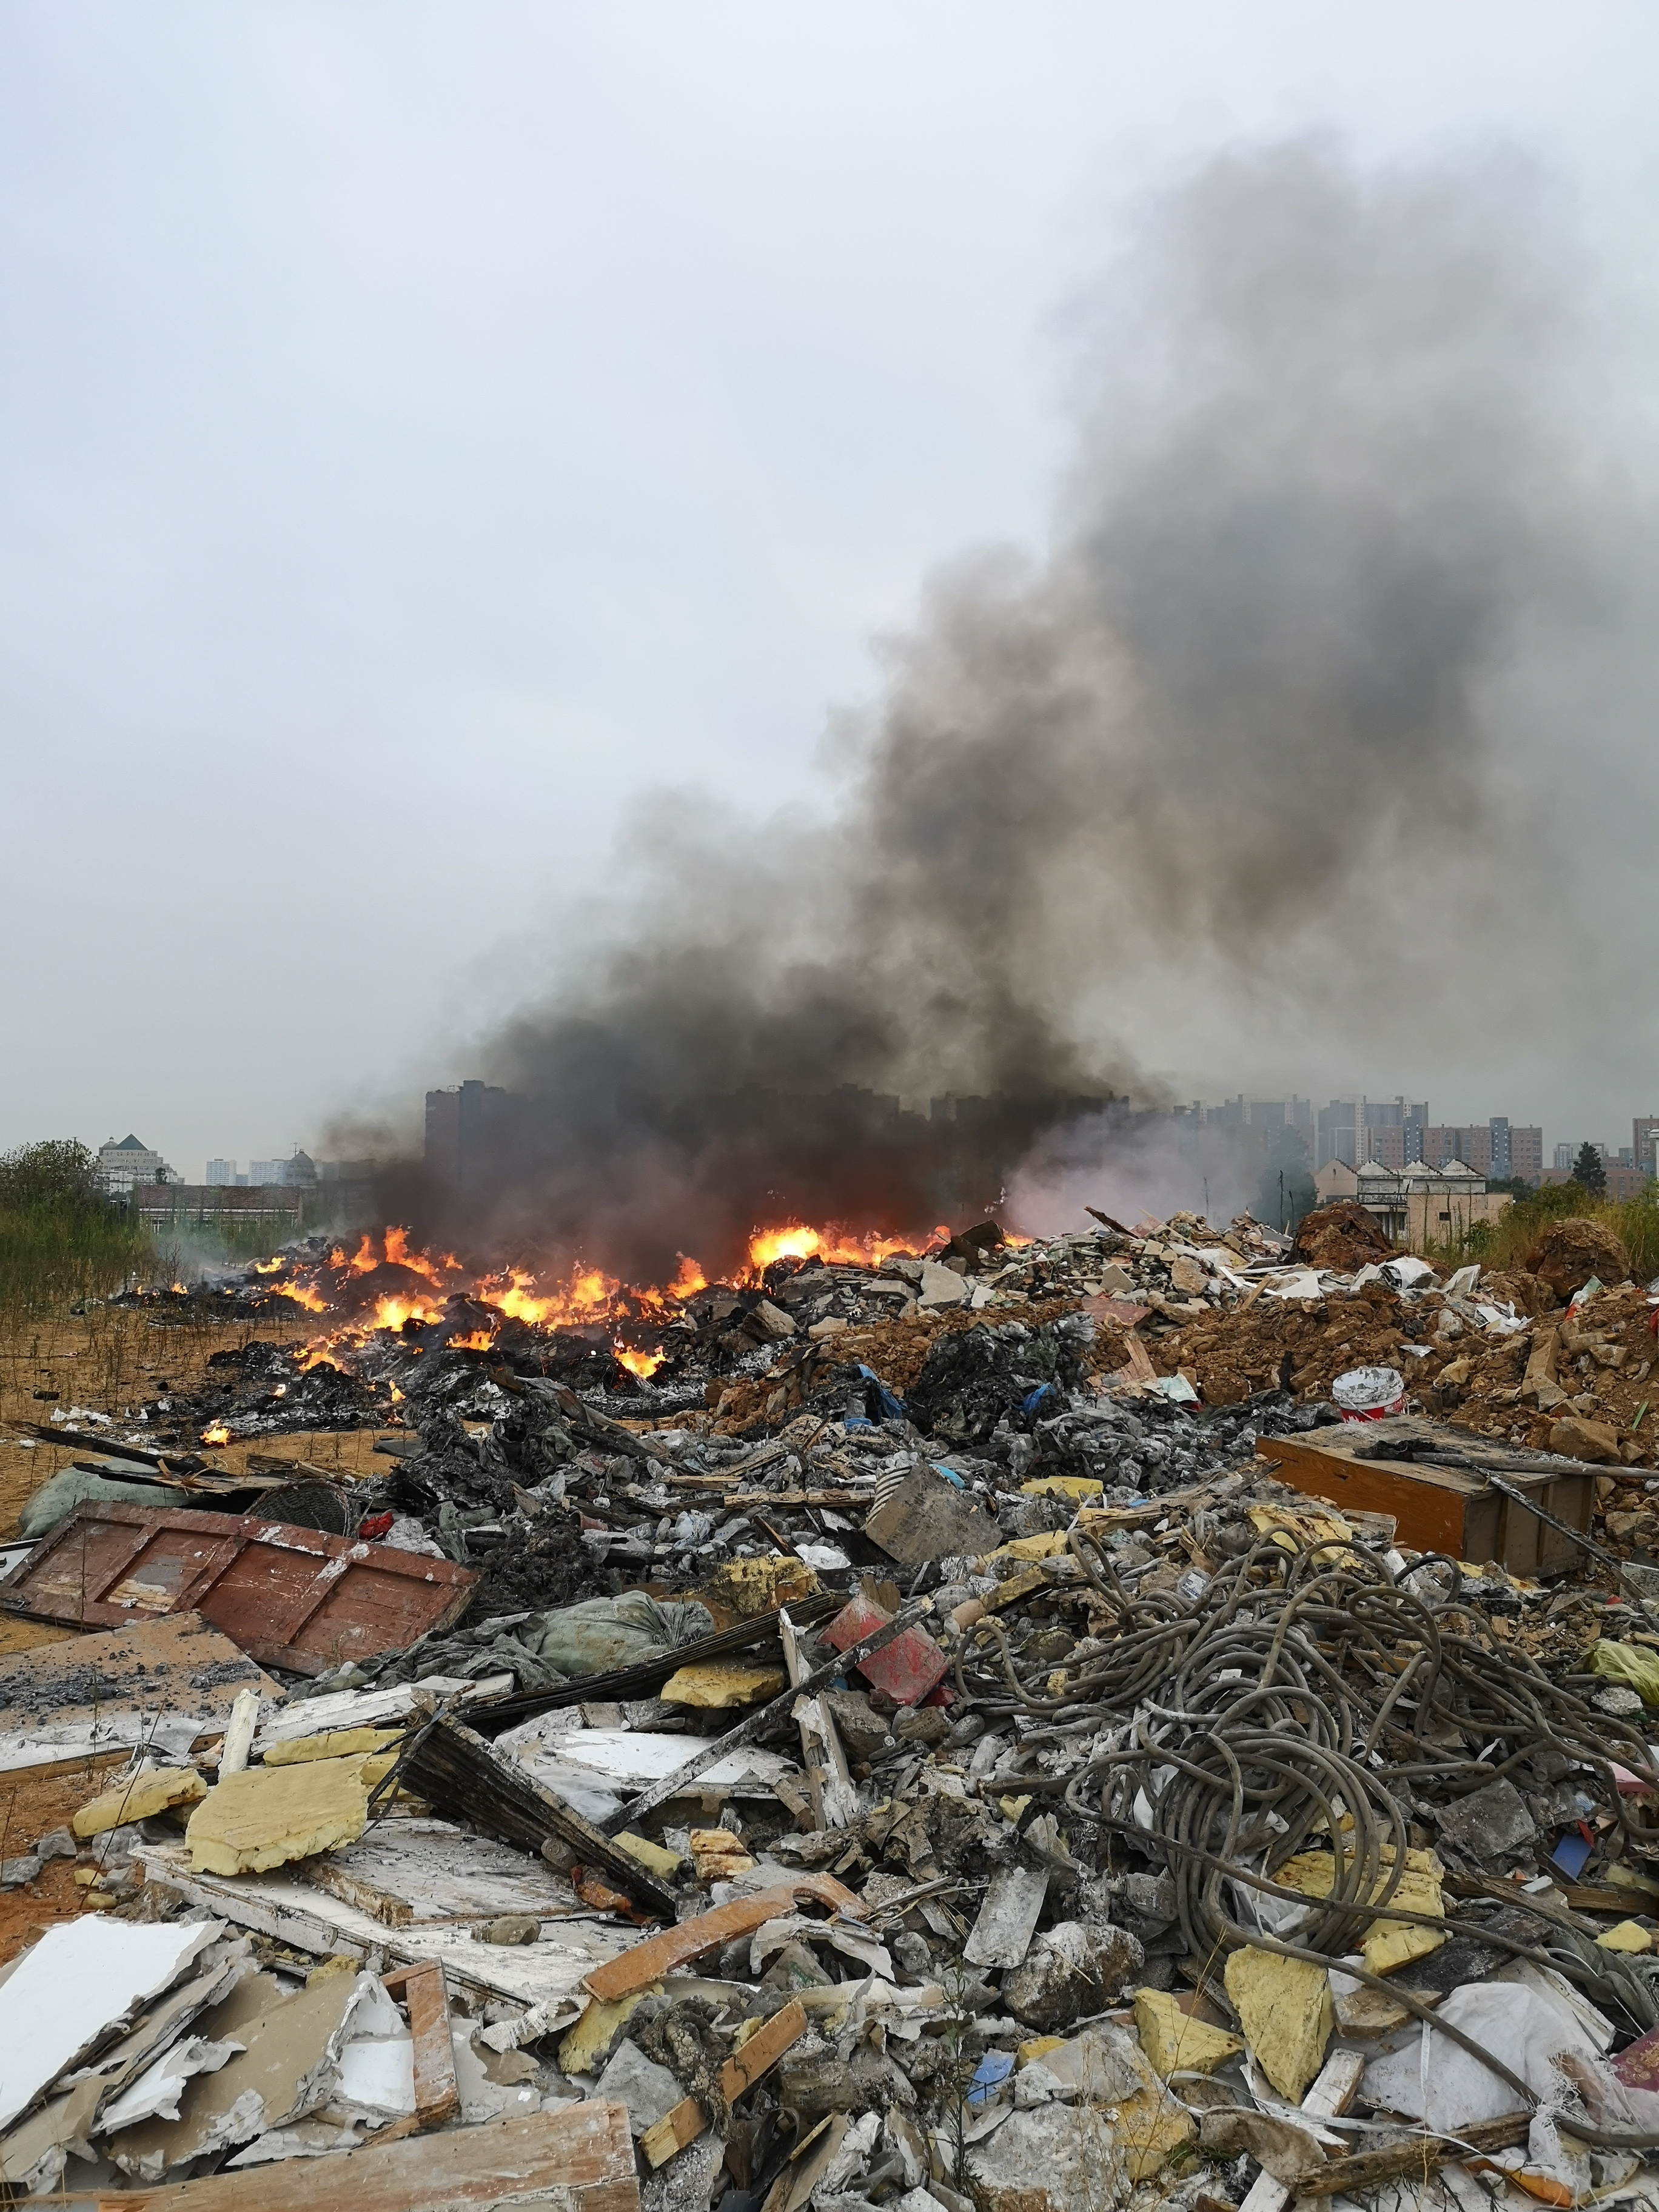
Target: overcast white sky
423, 427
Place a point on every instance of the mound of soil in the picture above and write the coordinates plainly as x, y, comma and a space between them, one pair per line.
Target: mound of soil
1571, 1251
1344, 1237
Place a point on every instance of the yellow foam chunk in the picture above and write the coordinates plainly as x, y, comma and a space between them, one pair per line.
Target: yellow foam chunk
750, 1587
140, 1799
1628, 1936
655, 1859
712, 1687
1085, 1489
335, 1743
267, 1816
1284, 2007
1177, 2043
593, 2031
1048, 1545
1388, 1944
1038, 2047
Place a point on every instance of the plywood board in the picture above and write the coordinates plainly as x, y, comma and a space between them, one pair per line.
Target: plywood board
289, 1910
161, 1683
1442, 1509
580, 2159
289, 1597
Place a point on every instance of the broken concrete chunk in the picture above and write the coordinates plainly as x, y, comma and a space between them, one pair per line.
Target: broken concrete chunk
1002, 1934
649, 2091
267, 1816
1072, 1970
1175, 2042
1053, 2158
154, 1790
926, 1517
1284, 2007
59, 1845
1489, 1822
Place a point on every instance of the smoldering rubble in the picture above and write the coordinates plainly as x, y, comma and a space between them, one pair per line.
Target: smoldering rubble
1161, 1711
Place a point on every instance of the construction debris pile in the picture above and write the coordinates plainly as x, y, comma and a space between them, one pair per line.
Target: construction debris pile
1153, 1716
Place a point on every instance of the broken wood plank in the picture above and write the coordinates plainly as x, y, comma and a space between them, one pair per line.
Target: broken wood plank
451, 1765
580, 2158
660, 1954
740, 2072
835, 1799
673, 2131
426, 1995
1365, 2169
762, 2051
287, 1596
765, 1717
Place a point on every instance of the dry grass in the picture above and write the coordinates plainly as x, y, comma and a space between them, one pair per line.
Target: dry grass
1505, 1243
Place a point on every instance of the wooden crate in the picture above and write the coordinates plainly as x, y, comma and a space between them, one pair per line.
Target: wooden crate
1444, 1509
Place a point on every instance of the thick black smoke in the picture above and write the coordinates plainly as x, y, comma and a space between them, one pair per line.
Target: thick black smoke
1334, 489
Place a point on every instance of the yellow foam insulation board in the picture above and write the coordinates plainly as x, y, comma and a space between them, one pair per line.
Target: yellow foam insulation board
593, 2031
156, 1791
1085, 1489
1284, 2007
751, 1587
1388, 1944
268, 1815
712, 1687
335, 1743
1177, 2043
655, 1859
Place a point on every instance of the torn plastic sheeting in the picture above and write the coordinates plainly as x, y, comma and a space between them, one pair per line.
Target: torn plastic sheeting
1521, 2016
607, 1632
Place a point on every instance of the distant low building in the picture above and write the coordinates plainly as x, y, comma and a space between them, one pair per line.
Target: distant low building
127, 1163
1417, 1205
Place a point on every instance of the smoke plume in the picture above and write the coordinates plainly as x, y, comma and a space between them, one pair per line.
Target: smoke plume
1264, 715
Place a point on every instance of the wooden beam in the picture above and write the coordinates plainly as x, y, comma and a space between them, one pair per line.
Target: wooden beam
740, 2072
437, 2086
581, 2158
1366, 2169
453, 1765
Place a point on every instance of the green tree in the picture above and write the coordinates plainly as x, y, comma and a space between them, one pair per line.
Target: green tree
1286, 1192
1587, 1170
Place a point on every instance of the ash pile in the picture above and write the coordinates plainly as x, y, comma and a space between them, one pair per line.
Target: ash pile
1158, 1714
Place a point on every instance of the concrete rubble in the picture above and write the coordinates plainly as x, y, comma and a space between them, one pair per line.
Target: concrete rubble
978, 1731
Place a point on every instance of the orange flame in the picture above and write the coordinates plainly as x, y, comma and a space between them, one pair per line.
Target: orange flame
642, 1363
218, 1434
690, 1278
798, 1241
480, 1341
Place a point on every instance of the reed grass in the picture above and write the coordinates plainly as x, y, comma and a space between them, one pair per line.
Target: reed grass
61, 1240
1505, 1242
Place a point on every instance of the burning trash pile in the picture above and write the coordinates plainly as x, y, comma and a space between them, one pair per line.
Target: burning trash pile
1149, 1715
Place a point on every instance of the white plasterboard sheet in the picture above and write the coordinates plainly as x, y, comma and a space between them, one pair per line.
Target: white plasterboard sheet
533, 1973
81, 1975
442, 1872
636, 1759
353, 1709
